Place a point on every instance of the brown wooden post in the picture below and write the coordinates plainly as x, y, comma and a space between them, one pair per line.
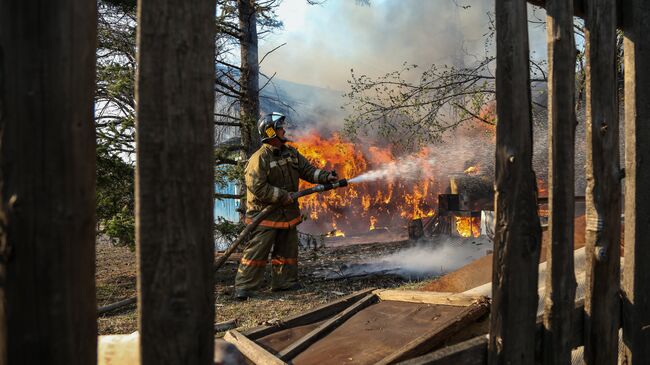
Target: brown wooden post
636, 274
560, 280
603, 211
174, 180
518, 232
47, 182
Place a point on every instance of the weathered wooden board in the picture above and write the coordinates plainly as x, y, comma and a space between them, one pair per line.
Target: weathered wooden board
416, 296
636, 274
47, 182
560, 278
435, 336
386, 332
603, 195
317, 314
173, 214
474, 350
517, 237
320, 331
254, 352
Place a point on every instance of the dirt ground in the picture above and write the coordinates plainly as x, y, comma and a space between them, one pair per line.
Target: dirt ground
116, 280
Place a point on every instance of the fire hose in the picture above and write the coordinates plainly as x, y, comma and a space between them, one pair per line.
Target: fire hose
268, 210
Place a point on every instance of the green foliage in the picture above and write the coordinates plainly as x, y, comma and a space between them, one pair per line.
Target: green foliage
115, 198
227, 230
115, 120
228, 173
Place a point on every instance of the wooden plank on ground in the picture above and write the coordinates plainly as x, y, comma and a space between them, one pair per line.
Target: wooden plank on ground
175, 180
518, 232
603, 195
317, 314
48, 312
560, 276
636, 274
433, 338
470, 352
418, 296
295, 348
474, 351
254, 352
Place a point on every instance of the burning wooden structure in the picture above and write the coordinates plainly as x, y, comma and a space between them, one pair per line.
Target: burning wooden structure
48, 312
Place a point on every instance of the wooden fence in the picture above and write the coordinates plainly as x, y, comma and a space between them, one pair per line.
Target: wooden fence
47, 299
595, 323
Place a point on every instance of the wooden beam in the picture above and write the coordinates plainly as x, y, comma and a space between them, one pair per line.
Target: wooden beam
436, 336
636, 276
470, 352
254, 352
317, 314
47, 182
603, 195
418, 296
560, 278
317, 333
175, 180
518, 232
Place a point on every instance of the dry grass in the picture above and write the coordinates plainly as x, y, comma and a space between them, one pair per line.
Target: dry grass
116, 280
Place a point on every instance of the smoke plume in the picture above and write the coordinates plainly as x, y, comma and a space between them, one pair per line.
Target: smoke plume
434, 257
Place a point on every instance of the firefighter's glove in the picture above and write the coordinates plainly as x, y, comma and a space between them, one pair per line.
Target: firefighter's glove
288, 199
332, 177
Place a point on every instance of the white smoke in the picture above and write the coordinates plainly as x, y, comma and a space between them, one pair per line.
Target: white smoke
433, 257
440, 160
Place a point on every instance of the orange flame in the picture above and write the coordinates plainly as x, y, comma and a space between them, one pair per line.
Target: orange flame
373, 221
472, 170
387, 202
468, 226
542, 189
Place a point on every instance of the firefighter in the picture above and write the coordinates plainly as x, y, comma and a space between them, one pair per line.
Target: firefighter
272, 172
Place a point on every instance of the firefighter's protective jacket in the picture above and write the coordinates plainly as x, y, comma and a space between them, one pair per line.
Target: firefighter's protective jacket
271, 173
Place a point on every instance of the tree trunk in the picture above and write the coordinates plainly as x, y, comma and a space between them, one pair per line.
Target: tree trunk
249, 103
47, 182
518, 232
175, 180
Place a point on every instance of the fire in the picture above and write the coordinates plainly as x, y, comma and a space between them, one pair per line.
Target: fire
335, 232
373, 221
468, 226
472, 170
384, 203
542, 189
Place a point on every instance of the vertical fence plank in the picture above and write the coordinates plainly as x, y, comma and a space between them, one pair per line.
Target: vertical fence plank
636, 274
518, 232
174, 180
47, 182
560, 279
603, 211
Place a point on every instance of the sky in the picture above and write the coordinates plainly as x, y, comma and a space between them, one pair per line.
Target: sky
325, 41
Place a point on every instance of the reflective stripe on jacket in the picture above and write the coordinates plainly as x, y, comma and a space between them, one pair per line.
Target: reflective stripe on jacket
271, 173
